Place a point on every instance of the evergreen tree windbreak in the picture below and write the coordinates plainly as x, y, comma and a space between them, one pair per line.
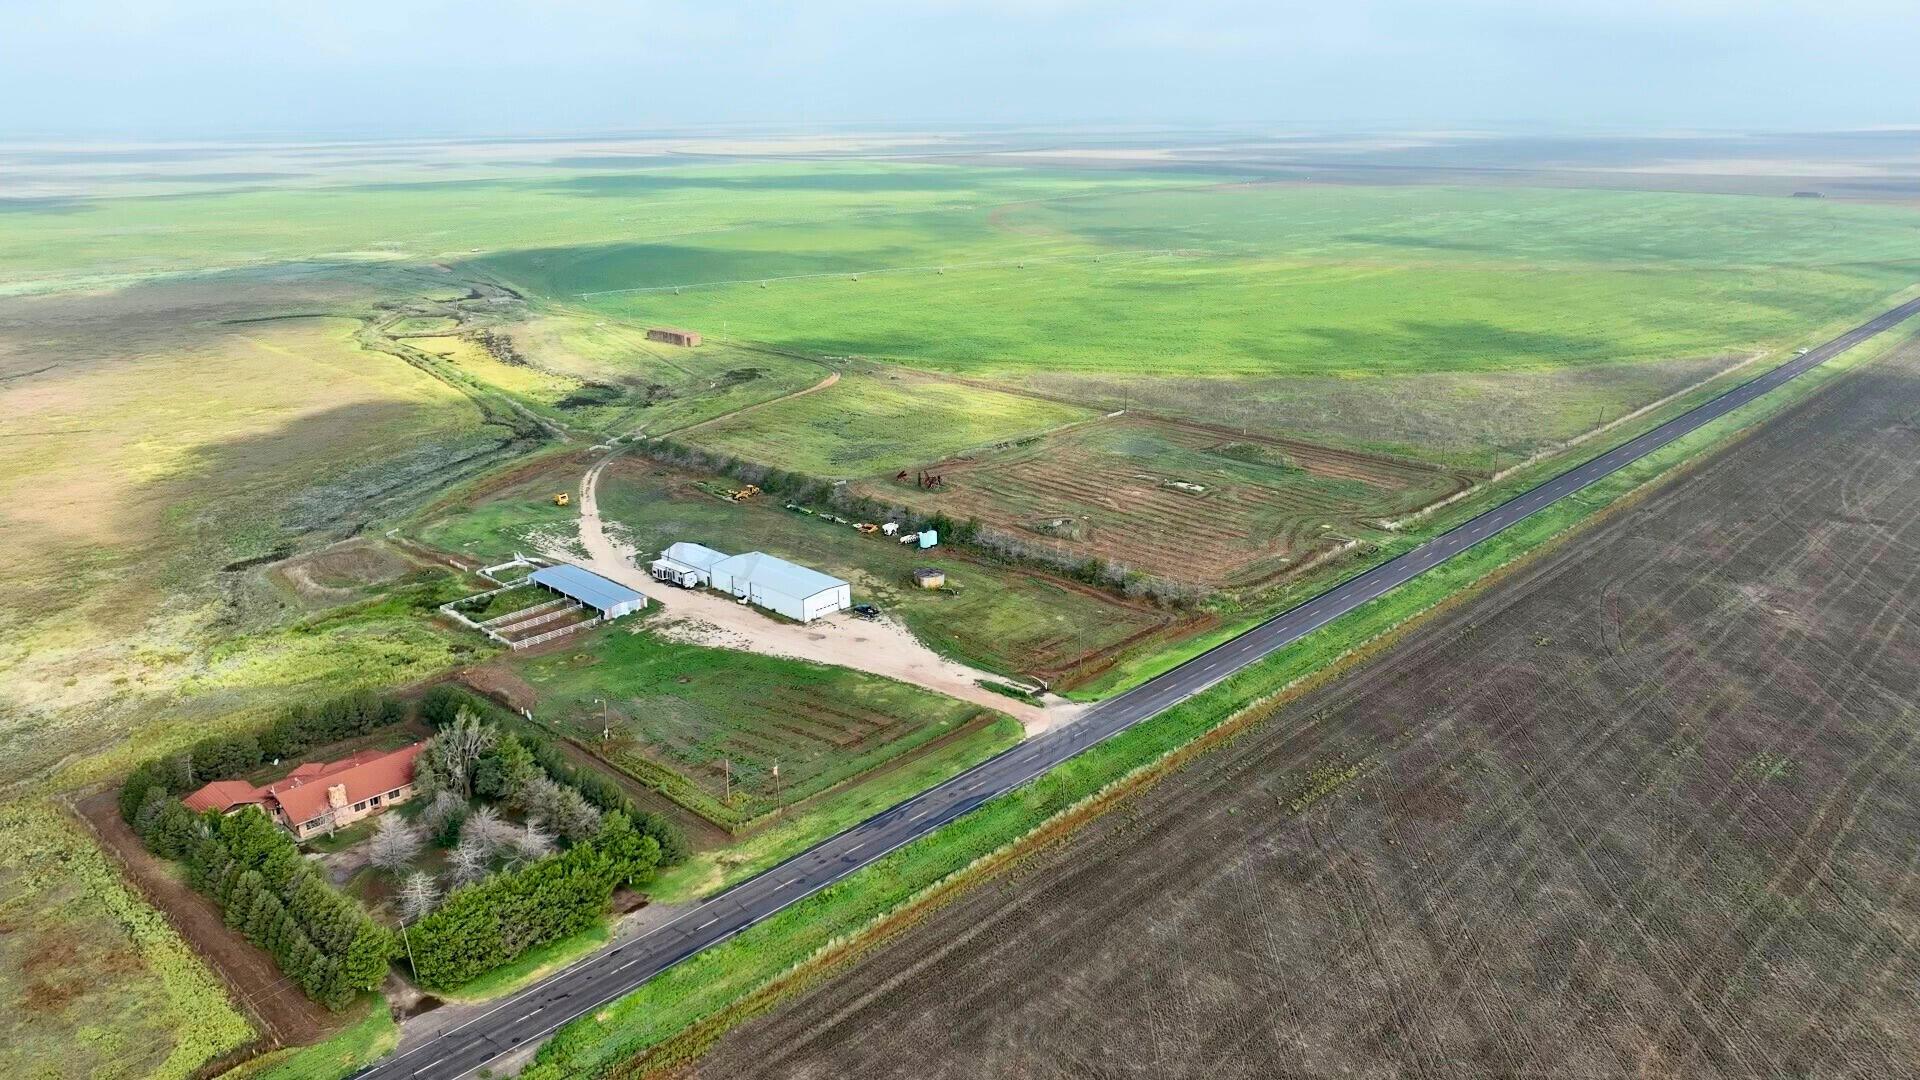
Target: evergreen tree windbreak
320, 939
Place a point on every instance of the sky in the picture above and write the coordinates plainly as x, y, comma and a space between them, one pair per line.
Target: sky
201, 68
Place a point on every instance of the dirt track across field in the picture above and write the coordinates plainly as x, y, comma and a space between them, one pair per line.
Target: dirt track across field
1646, 809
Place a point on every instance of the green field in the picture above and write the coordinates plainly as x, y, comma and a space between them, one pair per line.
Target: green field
201, 390
880, 422
721, 721
1461, 323
90, 240
1294, 280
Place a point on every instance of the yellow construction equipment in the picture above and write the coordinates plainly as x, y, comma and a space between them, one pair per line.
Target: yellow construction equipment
562, 499
867, 527
744, 493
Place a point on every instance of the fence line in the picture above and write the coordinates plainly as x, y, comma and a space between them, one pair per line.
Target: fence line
551, 634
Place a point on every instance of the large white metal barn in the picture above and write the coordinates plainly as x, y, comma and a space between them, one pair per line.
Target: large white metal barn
781, 586
765, 580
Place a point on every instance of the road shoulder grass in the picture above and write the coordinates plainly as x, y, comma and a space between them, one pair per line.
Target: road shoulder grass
673, 1017
351, 1048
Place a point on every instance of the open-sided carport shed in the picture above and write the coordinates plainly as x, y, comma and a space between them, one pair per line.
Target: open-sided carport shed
610, 598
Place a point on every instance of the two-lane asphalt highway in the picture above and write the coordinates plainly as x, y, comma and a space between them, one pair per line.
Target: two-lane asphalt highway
535, 1012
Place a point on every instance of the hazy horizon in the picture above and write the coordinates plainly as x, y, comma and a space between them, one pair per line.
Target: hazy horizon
219, 68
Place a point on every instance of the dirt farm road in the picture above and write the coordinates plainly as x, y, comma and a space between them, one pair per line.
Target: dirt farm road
880, 646
531, 1015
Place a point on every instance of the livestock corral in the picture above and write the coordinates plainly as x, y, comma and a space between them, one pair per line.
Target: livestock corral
1185, 501
1646, 807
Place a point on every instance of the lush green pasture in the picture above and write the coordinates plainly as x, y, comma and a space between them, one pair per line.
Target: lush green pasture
1229, 314
664, 387
999, 619
1276, 281
722, 720
880, 422
663, 208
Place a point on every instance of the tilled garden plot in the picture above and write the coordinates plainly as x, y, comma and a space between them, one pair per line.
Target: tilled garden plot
1646, 809
1191, 502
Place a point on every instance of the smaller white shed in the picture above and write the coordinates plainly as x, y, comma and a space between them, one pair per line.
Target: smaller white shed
687, 565
780, 586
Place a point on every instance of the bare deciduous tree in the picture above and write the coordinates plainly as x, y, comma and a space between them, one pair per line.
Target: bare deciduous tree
485, 828
533, 843
418, 895
394, 844
442, 810
447, 762
469, 860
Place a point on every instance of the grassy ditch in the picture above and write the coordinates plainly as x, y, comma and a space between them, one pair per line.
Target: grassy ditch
353, 1047
673, 1017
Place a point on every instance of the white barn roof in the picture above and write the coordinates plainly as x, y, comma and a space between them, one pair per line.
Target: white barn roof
777, 575
696, 556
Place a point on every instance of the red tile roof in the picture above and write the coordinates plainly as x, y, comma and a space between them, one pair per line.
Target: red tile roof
302, 796
224, 795
364, 775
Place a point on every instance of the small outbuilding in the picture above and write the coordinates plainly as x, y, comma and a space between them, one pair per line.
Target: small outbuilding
687, 565
780, 586
672, 335
610, 598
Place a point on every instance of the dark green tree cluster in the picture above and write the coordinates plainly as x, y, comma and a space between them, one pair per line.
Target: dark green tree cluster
164, 824
490, 923
320, 939
223, 757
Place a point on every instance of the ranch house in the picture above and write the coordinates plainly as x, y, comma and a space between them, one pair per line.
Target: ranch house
319, 797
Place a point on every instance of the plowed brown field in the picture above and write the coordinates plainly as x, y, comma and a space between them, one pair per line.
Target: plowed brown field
1647, 809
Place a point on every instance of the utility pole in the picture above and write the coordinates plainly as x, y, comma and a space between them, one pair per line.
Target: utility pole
778, 806
409, 943
726, 770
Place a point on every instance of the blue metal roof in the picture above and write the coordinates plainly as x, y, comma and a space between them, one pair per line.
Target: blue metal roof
585, 586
